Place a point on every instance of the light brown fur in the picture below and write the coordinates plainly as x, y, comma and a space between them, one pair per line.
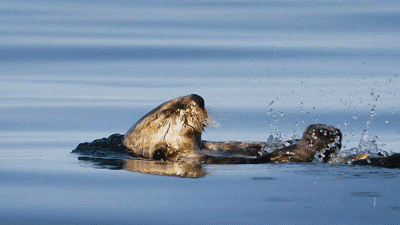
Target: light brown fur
172, 131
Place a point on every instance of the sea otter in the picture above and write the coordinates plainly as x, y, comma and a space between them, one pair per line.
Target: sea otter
172, 132
167, 141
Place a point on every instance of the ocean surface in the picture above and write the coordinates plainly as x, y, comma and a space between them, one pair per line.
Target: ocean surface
75, 71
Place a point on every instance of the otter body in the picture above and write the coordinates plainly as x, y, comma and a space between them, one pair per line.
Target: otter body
172, 132
169, 137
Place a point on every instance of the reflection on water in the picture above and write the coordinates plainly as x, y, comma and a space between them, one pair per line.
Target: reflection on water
146, 166
178, 169
165, 168
104, 163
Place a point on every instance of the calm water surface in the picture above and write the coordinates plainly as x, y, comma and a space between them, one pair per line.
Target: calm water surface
74, 71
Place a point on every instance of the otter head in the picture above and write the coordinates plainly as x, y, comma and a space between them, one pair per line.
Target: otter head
172, 131
324, 139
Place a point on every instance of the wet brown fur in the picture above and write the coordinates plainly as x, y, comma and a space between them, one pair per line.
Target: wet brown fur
318, 140
172, 132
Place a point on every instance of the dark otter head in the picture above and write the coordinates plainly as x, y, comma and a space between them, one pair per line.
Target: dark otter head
172, 131
325, 139
198, 100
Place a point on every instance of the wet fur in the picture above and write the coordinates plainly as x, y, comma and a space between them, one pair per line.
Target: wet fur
172, 132
167, 141
318, 140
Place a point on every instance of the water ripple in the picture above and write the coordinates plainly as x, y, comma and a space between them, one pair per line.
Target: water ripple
366, 194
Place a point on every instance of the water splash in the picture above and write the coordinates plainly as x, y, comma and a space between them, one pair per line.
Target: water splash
275, 120
369, 144
320, 155
365, 132
211, 122
273, 143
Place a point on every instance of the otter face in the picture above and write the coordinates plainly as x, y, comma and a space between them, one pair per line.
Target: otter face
172, 131
325, 139
318, 141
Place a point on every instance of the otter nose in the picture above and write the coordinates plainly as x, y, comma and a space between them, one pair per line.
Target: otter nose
198, 99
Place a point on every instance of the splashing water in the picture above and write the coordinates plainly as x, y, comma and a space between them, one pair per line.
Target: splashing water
273, 143
364, 134
274, 122
368, 144
320, 155
211, 122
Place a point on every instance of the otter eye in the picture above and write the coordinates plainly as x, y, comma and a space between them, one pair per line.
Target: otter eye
158, 154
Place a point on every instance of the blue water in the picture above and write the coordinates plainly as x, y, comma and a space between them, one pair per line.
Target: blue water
75, 71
